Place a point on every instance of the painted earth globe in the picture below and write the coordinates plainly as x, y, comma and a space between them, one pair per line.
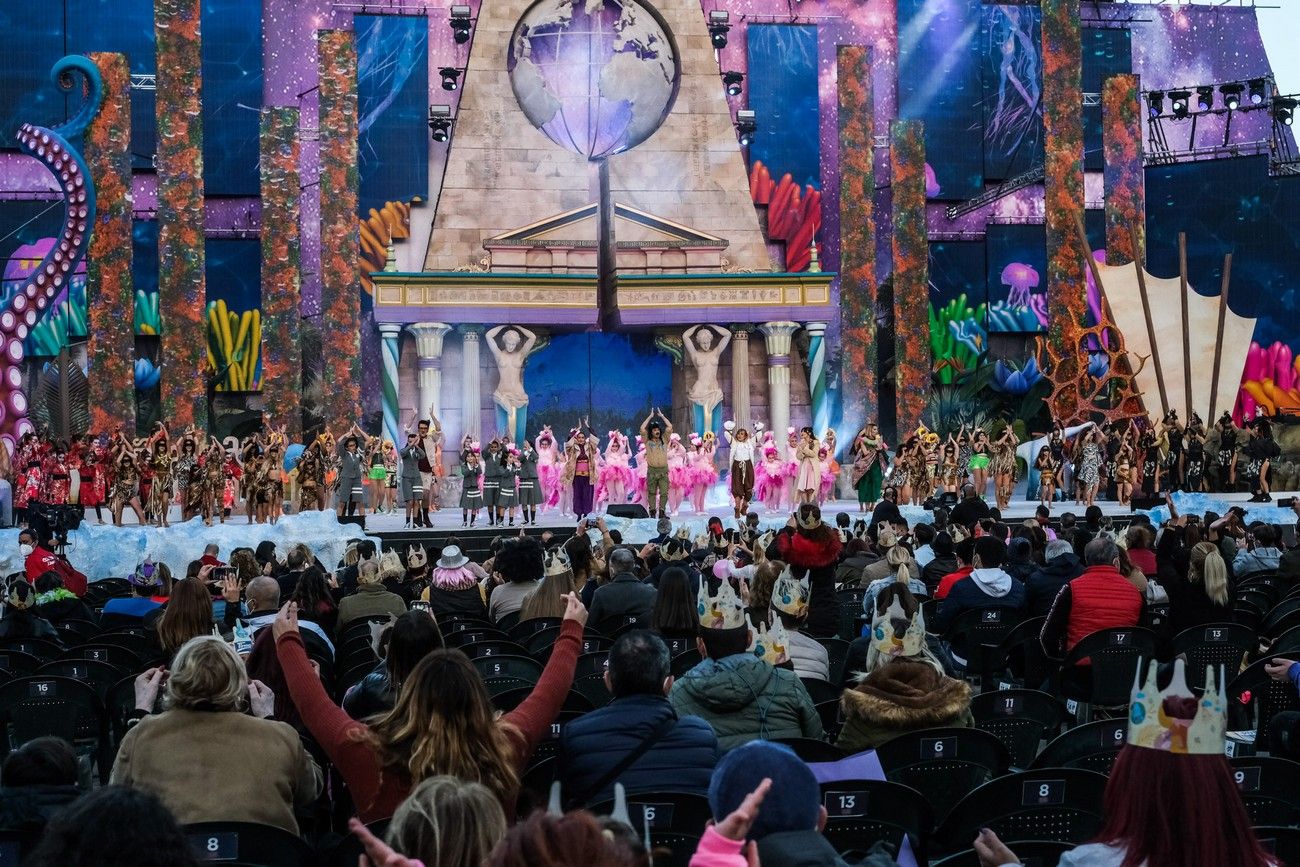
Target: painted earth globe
596, 76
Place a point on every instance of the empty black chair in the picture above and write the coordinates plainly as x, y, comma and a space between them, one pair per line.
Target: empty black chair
1092, 747
41, 648
1020, 718
1032, 853
832, 718
1247, 613
684, 662
76, 631
540, 640
118, 705
31, 707
592, 687
943, 764
248, 843
15, 663
574, 702
508, 621
1287, 643
1018, 659
819, 690
455, 623
812, 750
1060, 804
1286, 622
471, 636
837, 651
1214, 644
590, 663
481, 649
1254, 699
619, 623
978, 632
678, 646
1268, 789
524, 628
1114, 655
850, 604
1282, 842
100, 675
143, 642
121, 657
861, 812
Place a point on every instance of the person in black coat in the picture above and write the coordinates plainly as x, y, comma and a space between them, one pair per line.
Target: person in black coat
944, 563
971, 510
57, 603
1062, 567
39, 779
21, 620
626, 596
412, 637
681, 756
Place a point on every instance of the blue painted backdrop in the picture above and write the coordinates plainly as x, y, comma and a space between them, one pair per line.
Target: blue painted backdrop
393, 103
783, 95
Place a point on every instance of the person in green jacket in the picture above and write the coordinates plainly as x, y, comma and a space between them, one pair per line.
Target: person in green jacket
743, 697
904, 687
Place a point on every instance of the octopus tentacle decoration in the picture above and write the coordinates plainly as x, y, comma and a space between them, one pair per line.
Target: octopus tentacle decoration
51, 147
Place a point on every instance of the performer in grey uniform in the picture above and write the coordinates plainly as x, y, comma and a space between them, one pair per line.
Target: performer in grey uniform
471, 495
492, 482
410, 482
351, 484
530, 495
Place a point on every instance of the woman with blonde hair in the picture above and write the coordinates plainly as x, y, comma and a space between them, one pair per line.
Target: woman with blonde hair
204, 726
905, 570
442, 722
447, 822
1205, 596
372, 597
188, 614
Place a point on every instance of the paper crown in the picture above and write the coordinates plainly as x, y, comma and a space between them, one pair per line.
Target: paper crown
1174, 720
417, 557
557, 563
889, 635
790, 595
812, 522
723, 611
769, 643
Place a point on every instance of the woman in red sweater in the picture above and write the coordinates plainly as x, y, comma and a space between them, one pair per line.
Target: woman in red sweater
442, 722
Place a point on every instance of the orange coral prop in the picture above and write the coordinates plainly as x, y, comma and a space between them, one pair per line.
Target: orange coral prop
381, 228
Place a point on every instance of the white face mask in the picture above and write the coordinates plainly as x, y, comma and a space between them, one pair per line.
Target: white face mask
25, 550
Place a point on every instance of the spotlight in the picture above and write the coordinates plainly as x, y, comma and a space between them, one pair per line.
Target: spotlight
718, 27
440, 122
1205, 98
746, 126
1257, 90
450, 77
1284, 109
1178, 100
733, 80
460, 24
1155, 103
1231, 96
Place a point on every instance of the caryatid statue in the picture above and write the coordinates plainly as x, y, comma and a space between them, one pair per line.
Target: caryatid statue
704, 345
510, 345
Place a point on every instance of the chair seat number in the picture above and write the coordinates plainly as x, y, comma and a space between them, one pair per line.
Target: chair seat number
1038, 793
1113, 736
1247, 778
993, 615
1215, 634
1010, 706
938, 748
221, 846
657, 815
1124, 638
42, 689
845, 804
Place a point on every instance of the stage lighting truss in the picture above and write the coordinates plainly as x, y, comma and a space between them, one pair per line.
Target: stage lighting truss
1182, 103
461, 22
719, 26
733, 82
450, 77
440, 122
746, 126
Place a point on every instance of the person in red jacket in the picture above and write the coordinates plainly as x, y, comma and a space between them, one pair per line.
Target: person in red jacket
39, 559
1101, 598
964, 551
442, 721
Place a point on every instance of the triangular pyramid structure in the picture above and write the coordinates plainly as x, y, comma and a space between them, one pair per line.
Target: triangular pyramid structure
502, 174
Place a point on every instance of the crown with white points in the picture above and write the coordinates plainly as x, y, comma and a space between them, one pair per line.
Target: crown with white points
723, 611
790, 594
557, 563
769, 643
1174, 719
893, 633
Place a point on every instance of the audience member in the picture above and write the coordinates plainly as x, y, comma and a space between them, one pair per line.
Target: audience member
576, 839
446, 822
454, 589
21, 619
971, 510
145, 581
790, 605
412, 637
1062, 566
115, 826
809, 546
674, 614
987, 586
1020, 558
1137, 542
372, 599
626, 598
519, 565
201, 730
1203, 596
39, 559
638, 739
551, 596
37, 780
964, 554
943, 563
903, 566
1260, 555
188, 614
57, 603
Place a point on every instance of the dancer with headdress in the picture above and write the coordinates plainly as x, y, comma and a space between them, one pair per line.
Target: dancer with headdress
204, 495
702, 471
548, 469
769, 479
350, 457
186, 471
808, 480
616, 478
868, 453
126, 480
658, 489
1003, 466
311, 476
790, 495
160, 462
583, 456
742, 478
679, 477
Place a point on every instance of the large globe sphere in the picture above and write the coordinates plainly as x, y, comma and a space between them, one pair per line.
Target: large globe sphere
596, 76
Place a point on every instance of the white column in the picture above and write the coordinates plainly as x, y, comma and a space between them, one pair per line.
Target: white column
740, 375
778, 336
470, 396
428, 353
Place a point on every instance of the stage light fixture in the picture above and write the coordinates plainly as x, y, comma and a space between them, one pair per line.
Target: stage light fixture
746, 126
1258, 89
1205, 98
450, 77
460, 23
1178, 101
440, 122
718, 27
1231, 95
1155, 103
1284, 109
733, 81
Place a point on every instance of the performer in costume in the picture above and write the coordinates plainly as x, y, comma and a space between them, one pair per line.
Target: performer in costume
1172, 431
471, 493
529, 490
93, 480
769, 479
1046, 466
492, 482
616, 475
207, 484
410, 480
160, 461
311, 477
640, 473
509, 482
430, 434
679, 481
548, 469
979, 461
703, 471
789, 495
126, 481
868, 453
656, 462
825, 463
1003, 465
185, 470
808, 480
949, 468
583, 453
351, 478
1090, 457
1124, 472
1194, 460
741, 478
1225, 456
376, 475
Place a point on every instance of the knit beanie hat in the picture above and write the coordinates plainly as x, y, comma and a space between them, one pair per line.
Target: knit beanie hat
791, 806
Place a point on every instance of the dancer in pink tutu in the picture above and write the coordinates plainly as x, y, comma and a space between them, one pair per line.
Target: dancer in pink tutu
549, 468
616, 478
679, 476
789, 496
769, 479
703, 470
828, 474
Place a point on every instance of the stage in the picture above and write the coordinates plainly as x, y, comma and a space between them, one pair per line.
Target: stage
103, 551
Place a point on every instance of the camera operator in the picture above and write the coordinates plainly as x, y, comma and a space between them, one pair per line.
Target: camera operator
38, 558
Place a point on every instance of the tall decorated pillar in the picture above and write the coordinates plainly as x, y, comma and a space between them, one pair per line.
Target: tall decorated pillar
281, 350
778, 336
858, 396
428, 353
740, 375
471, 422
821, 410
912, 362
1123, 176
390, 340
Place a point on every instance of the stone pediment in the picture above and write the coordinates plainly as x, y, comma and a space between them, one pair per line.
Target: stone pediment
567, 243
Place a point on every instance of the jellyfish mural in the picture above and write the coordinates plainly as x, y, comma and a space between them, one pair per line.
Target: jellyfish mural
34, 294
1021, 279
